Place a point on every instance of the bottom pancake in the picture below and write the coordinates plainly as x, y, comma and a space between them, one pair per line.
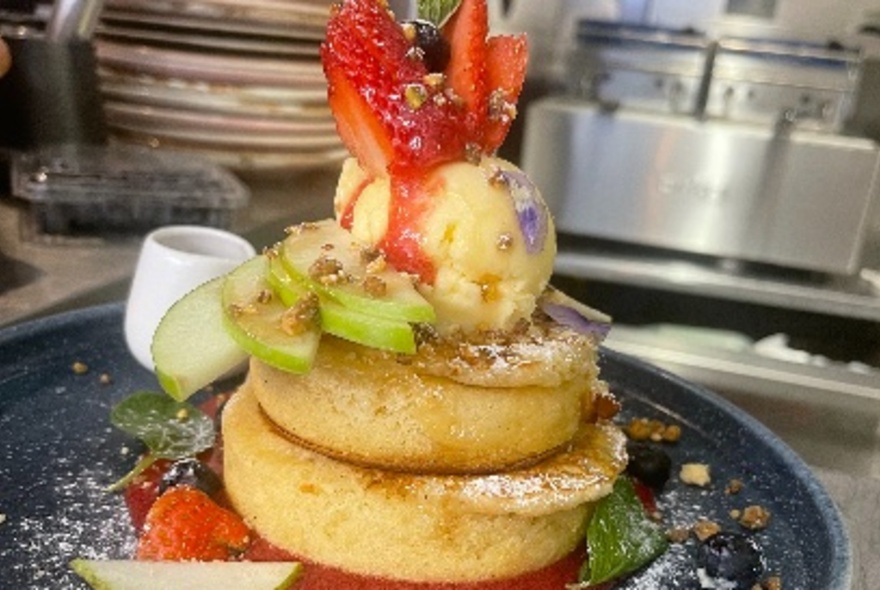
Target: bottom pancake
410, 527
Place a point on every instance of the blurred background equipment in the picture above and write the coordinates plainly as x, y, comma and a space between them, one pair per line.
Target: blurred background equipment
714, 171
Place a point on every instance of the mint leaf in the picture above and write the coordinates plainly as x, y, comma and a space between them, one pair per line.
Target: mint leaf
437, 11
620, 536
170, 429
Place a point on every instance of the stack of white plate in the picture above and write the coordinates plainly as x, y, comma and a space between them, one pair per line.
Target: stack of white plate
237, 81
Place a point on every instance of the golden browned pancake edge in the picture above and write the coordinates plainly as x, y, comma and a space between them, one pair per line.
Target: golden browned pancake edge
377, 409
400, 526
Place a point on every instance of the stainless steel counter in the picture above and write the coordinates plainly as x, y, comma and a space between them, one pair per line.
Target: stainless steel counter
837, 434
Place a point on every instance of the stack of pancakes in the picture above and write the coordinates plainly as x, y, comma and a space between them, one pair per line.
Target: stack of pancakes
465, 462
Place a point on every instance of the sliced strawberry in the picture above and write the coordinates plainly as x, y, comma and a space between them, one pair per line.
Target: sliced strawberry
466, 32
507, 58
387, 112
360, 129
186, 524
143, 491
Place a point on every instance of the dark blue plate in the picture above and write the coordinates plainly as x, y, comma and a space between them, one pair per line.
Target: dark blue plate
58, 451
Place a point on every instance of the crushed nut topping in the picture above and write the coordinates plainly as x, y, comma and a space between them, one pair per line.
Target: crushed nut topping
695, 474
754, 517
435, 80
497, 178
425, 334
504, 242
704, 528
409, 31
370, 255
473, 153
295, 230
327, 271
416, 95
501, 109
302, 317
105, 379
374, 286
79, 368
264, 296
678, 534
640, 429
733, 487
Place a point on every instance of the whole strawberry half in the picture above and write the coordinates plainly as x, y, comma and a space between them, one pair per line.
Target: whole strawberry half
396, 116
186, 524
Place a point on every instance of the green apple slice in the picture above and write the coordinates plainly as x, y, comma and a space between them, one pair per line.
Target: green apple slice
336, 319
255, 318
119, 574
325, 239
191, 347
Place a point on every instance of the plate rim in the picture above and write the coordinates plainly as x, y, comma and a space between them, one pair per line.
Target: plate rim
841, 574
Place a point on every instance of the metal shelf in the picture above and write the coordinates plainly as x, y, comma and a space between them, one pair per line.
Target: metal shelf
856, 297
744, 371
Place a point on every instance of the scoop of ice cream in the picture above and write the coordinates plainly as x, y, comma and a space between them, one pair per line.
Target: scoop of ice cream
484, 229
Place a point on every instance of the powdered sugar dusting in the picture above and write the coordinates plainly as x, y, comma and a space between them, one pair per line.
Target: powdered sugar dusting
64, 512
58, 454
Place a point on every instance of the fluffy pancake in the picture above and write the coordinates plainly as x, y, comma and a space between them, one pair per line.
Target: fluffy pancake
425, 414
430, 528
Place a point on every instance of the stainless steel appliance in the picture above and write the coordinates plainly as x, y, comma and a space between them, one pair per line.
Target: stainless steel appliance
718, 197
793, 198
721, 147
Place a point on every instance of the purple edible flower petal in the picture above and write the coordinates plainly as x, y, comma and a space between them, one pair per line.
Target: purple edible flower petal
571, 318
530, 209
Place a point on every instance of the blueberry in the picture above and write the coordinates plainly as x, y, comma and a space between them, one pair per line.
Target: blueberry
649, 464
733, 558
433, 46
191, 472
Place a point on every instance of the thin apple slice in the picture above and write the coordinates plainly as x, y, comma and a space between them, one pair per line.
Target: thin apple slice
310, 254
371, 331
263, 325
340, 321
285, 286
191, 347
119, 574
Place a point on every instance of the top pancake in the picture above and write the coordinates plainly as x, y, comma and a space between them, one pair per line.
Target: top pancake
424, 413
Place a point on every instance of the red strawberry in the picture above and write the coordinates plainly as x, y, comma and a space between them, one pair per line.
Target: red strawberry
143, 491
466, 32
507, 57
186, 524
388, 112
395, 117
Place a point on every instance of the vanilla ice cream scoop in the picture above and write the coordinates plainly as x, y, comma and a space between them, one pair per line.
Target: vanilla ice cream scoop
484, 234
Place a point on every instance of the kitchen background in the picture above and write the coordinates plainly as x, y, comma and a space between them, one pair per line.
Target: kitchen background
712, 165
